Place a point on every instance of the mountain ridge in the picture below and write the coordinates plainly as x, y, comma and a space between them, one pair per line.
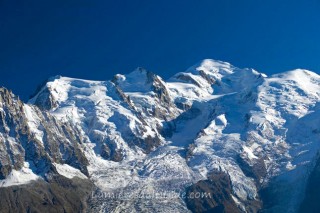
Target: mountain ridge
139, 133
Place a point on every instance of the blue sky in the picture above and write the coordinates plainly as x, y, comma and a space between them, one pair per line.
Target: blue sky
97, 39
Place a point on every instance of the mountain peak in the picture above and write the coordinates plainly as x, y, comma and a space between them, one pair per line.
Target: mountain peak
139, 80
142, 72
205, 74
296, 74
209, 64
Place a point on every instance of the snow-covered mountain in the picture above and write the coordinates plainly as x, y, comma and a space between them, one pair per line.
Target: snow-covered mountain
247, 141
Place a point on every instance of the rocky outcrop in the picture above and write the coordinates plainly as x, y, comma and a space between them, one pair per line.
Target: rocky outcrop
214, 195
58, 194
164, 107
60, 142
45, 100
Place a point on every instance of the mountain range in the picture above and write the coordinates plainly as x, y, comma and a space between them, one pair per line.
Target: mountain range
241, 140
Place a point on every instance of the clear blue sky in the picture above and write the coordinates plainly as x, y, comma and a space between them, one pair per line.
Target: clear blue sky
97, 39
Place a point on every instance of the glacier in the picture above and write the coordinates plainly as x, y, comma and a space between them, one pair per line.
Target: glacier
138, 134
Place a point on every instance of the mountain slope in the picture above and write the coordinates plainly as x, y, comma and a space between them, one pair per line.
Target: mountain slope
242, 137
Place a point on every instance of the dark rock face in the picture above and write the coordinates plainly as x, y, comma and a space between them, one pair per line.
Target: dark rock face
210, 80
215, 196
12, 125
257, 170
59, 194
164, 107
187, 78
44, 100
218, 187
60, 142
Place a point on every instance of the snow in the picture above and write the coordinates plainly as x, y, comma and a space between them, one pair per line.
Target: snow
20, 177
68, 171
216, 68
33, 121
136, 81
221, 120
249, 153
289, 166
230, 112
187, 90
95, 108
